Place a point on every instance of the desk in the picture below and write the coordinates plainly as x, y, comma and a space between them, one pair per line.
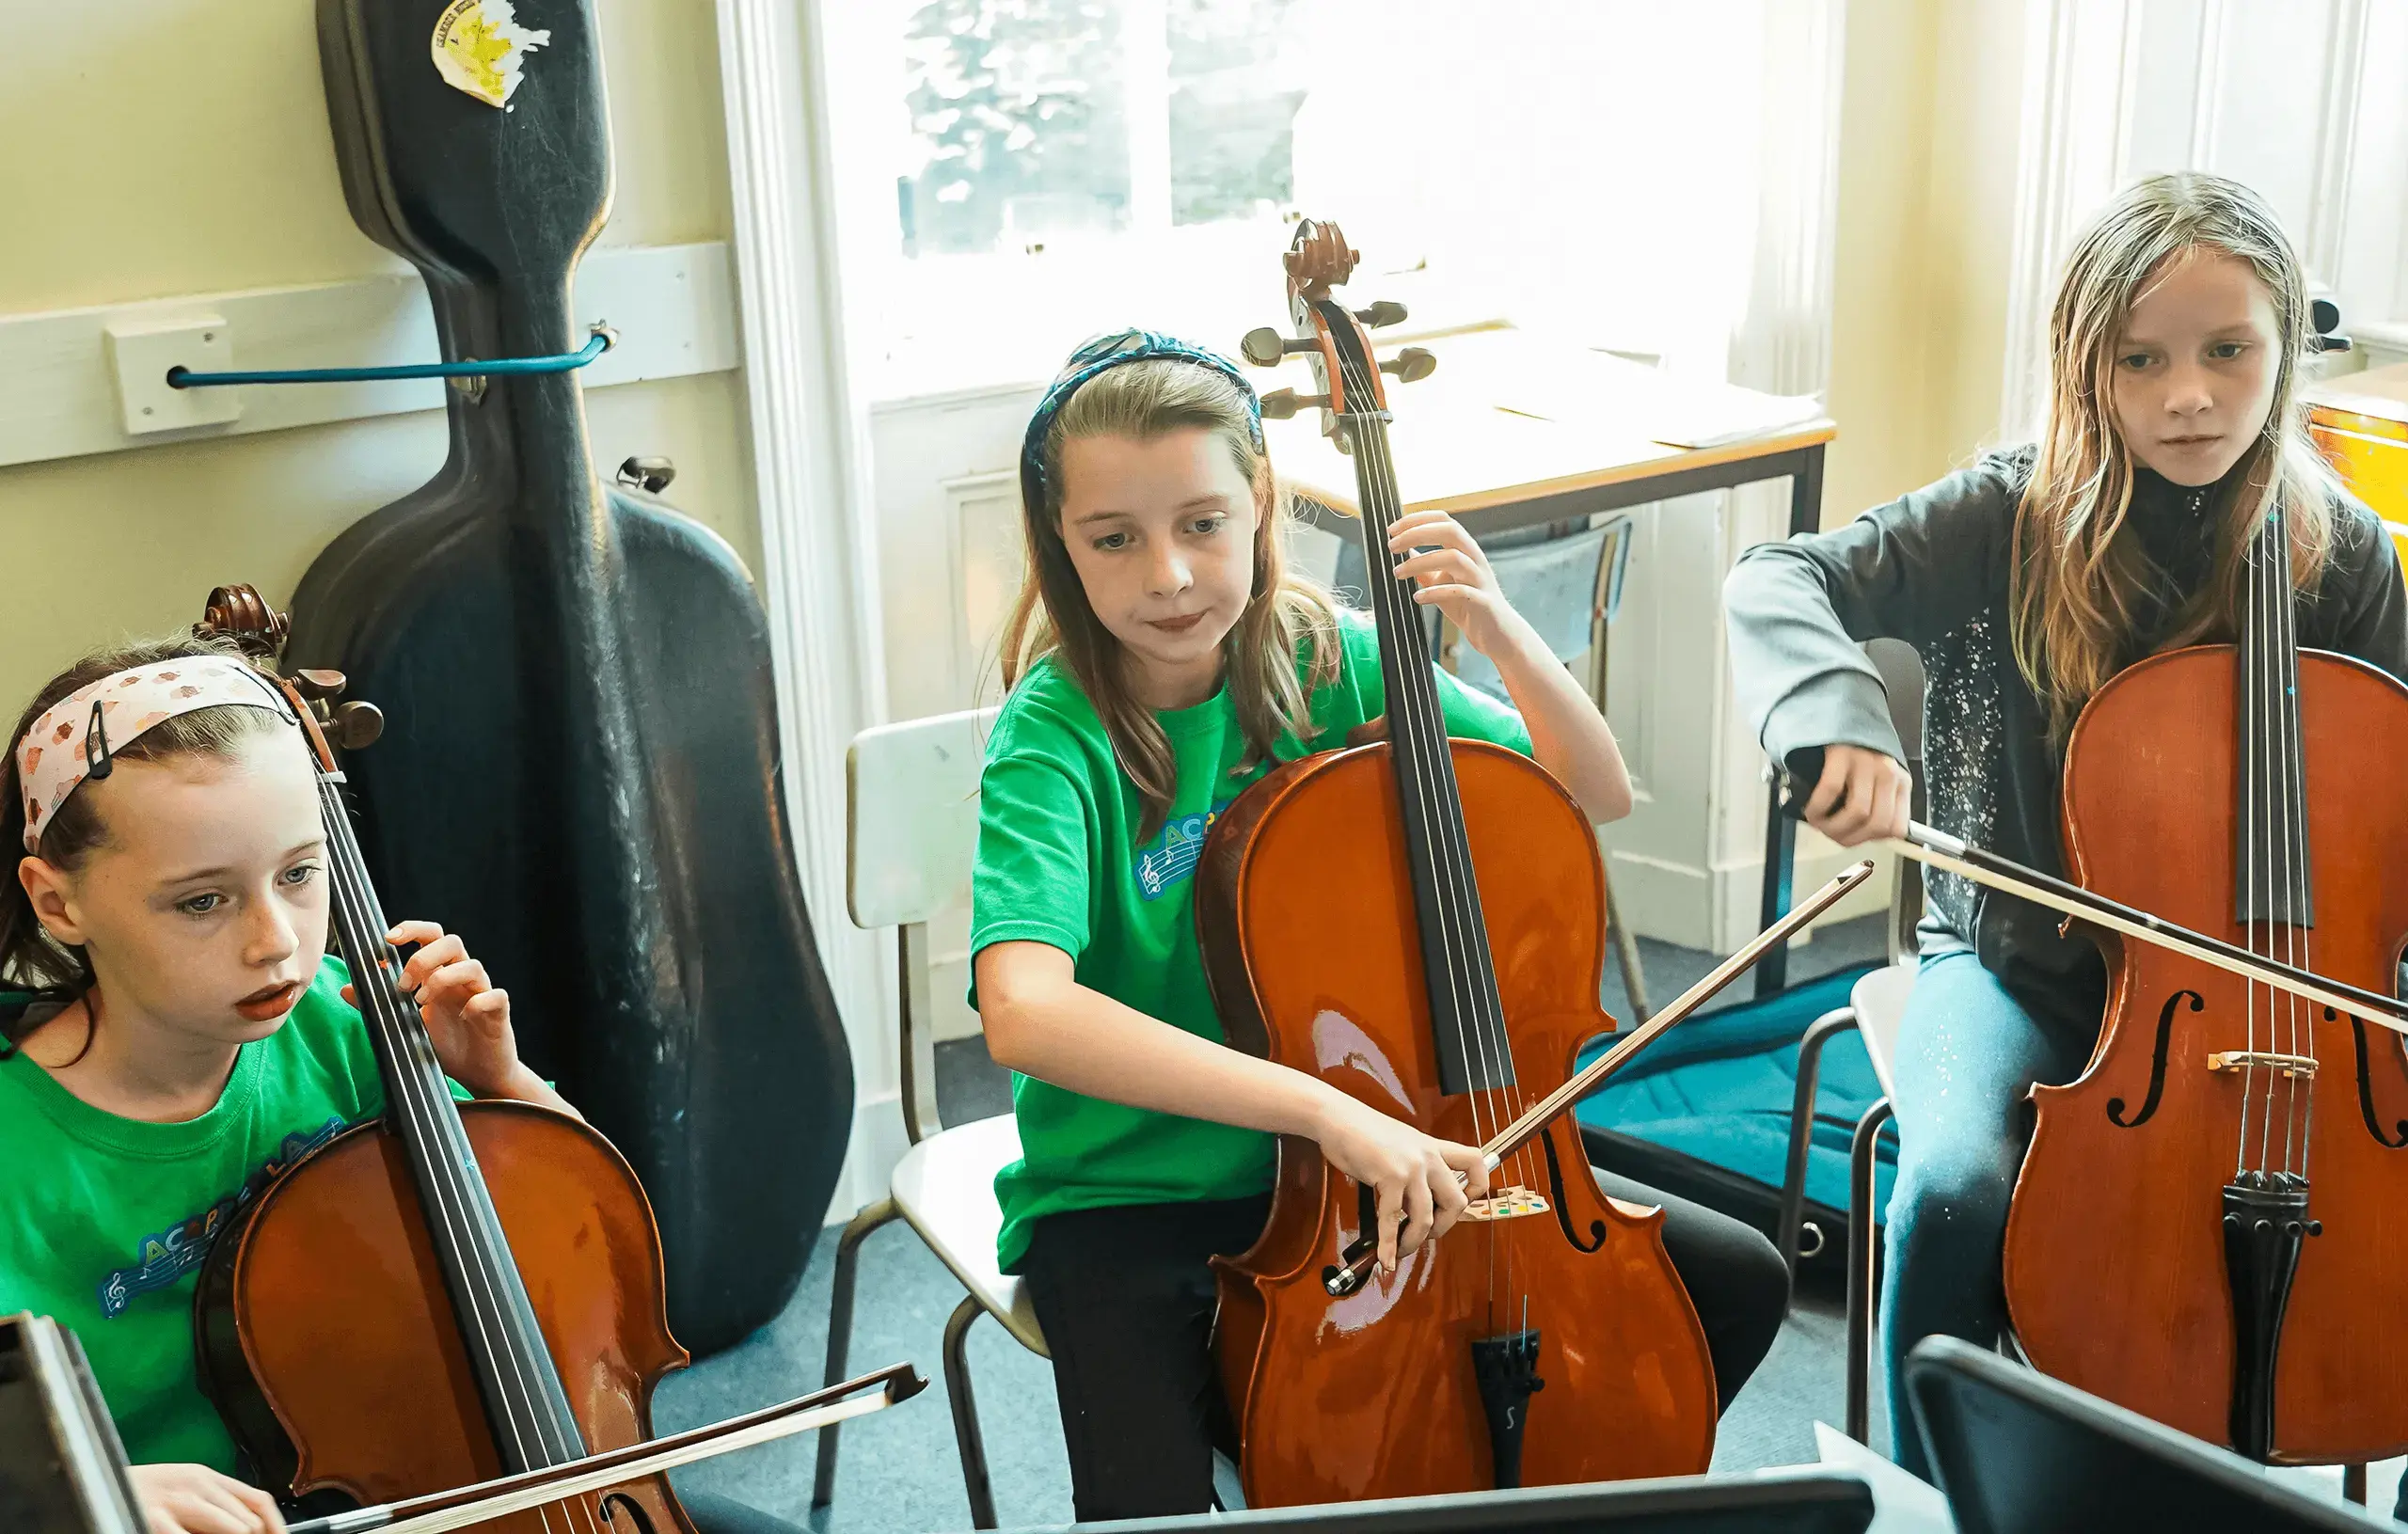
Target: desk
2360, 420
1515, 432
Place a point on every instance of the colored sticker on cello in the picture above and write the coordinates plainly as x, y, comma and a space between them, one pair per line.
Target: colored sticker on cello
480, 48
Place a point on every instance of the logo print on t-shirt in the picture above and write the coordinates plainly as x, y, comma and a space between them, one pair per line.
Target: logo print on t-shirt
169, 1254
1170, 857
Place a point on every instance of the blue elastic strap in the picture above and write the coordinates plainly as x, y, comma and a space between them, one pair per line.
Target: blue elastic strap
1103, 352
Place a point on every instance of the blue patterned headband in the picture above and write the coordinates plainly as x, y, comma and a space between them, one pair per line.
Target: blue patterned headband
1098, 356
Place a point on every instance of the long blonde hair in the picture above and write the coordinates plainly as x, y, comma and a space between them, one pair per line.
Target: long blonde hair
1286, 613
2078, 586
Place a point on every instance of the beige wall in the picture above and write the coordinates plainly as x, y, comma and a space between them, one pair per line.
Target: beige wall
184, 148
1930, 114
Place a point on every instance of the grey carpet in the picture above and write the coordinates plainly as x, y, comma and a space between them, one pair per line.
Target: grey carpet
899, 1470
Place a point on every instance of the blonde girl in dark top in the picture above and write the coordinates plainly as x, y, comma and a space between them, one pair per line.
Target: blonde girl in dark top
2026, 583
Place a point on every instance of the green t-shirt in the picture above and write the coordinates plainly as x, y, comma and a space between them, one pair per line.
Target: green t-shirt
103, 1221
1059, 863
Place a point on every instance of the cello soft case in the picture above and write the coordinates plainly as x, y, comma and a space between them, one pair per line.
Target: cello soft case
580, 771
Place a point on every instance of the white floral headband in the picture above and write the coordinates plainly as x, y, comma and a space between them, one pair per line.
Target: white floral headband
73, 738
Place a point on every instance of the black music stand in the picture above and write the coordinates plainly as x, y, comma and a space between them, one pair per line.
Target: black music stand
1789, 1501
2019, 1453
62, 1470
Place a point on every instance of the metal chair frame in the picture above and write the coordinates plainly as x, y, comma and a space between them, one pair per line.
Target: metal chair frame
921, 1123
1902, 678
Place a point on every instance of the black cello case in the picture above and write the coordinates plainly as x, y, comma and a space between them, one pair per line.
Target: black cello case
580, 771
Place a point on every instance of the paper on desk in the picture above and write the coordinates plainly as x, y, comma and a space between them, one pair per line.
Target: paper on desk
1526, 374
1903, 1503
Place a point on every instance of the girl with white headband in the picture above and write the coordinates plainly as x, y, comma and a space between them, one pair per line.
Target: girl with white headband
172, 1029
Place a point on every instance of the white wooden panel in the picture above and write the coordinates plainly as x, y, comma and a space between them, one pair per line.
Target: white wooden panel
992, 549
928, 456
2263, 125
674, 308
2371, 268
2305, 101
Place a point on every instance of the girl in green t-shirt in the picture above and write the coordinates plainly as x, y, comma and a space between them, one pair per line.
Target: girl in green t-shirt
1161, 657
173, 1032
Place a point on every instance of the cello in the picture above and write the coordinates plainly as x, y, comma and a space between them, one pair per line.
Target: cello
451, 1294
601, 667
2234, 1161
1421, 922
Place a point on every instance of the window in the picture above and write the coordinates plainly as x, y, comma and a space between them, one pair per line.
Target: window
1061, 167
1038, 120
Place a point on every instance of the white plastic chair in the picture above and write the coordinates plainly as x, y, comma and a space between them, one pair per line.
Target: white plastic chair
910, 835
1876, 1005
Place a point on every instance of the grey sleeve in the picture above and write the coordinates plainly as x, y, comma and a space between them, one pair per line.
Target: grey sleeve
1914, 570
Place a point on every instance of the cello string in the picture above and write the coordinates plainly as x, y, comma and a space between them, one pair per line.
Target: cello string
415, 1075
1407, 729
2251, 631
364, 926
1495, 1044
1451, 853
2278, 583
1410, 706
2294, 848
2267, 732
2265, 747
2295, 803
1484, 991
361, 924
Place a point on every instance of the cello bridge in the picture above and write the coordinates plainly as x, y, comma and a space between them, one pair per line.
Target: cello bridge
1507, 1204
2281, 1064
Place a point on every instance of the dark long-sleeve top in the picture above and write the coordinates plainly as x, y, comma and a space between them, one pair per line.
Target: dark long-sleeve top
1931, 568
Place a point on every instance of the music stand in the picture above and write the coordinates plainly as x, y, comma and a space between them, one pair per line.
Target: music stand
2019, 1453
1789, 1501
62, 1470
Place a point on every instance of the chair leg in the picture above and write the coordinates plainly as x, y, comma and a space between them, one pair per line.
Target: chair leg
1859, 1276
965, 1412
840, 1331
1788, 1230
2353, 1484
1634, 979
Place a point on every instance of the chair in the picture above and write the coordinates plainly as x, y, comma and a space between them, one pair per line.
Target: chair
1567, 579
911, 833
1876, 1005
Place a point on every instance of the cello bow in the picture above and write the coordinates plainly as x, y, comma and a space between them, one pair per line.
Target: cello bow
1348, 1276
467, 1506
1937, 849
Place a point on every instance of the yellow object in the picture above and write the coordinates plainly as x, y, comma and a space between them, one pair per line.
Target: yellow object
2360, 420
480, 48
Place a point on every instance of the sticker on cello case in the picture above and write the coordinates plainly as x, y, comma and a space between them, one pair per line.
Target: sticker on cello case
480, 48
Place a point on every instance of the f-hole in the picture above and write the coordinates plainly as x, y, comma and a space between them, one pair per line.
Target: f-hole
1563, 1214
2156, 1064
639, 1521
2366, 1089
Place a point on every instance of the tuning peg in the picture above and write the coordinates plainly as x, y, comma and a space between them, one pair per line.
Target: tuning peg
356, 725
1281, 403
1384, 312
318, 684
1410, 366
1264, 347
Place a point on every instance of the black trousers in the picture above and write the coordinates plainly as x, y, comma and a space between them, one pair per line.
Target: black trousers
1127, 1303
